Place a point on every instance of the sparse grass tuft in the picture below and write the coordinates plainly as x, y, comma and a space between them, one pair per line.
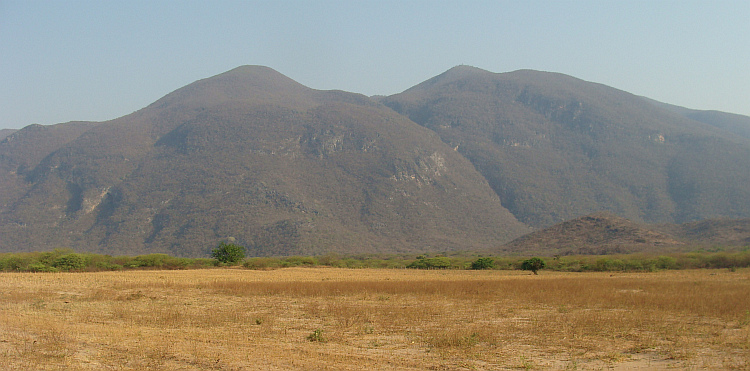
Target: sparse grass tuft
316, 336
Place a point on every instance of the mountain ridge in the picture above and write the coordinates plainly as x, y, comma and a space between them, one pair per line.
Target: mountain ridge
309, 173
731, 122
534, 133
466, 160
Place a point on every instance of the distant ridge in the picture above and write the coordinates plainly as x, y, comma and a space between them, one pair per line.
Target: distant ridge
711, 232
733, 123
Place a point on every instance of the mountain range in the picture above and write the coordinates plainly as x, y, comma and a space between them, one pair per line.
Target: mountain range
467, 160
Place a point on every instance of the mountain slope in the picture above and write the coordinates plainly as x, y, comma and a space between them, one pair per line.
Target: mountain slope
466, 160
554, 147
732, 123
595, 234
5, 132
22, 150
711, 232
251, 154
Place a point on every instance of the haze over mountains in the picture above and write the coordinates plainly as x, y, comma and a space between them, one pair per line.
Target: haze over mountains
467, 160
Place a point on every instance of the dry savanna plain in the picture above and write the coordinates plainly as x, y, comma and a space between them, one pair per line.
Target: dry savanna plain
389, 319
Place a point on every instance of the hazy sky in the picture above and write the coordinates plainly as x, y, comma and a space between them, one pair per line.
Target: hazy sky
98, 60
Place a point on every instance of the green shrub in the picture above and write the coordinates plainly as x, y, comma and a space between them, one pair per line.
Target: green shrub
483, 263
296, 261
316, 335
666, 262
533, 264
351, 263
107, 266
608, 265
261, 263
202, 263
16, 262
40, 267
330, 259
148, 261
440, 262
48, 258
70, 262
228, 253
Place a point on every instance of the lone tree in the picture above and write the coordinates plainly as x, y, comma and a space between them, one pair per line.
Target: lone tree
533, 264
228, 253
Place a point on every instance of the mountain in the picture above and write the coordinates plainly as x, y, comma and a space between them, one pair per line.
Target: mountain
595, 234
733, 123
250, 154
554, 147
711, 232
467, 160
22, 150
5, 132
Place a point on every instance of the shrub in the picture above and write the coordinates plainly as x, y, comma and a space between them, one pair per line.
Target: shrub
430, 263
103, 265
607, 264
150, 261
666, 262
40, 267
296, 261
228, 253
262, 263
533, 264
483, 263
330, 259
70, 262
15, 262
316, 335
202, 263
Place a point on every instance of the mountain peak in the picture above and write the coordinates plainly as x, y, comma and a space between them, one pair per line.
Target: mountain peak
459, 72
257, 76
248, 84
464, 69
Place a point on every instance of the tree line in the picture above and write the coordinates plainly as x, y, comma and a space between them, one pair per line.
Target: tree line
227, 254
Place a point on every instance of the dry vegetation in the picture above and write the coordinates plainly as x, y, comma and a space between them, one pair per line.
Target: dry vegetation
340, 319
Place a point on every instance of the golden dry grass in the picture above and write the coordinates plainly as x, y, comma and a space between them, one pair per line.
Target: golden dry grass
230, 319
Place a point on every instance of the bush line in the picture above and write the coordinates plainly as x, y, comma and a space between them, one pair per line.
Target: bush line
66, 260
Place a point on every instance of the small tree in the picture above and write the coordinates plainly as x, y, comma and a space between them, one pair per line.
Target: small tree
533, 264
228, 253
483, 263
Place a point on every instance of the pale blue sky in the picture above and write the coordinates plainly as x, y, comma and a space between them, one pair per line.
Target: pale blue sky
98, 60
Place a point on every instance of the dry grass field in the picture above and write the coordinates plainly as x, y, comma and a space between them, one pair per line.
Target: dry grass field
339, 319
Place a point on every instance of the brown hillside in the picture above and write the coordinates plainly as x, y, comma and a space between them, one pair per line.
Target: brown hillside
554, 147
599, 233
711, 232
253, 155
466, 160
5, 132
